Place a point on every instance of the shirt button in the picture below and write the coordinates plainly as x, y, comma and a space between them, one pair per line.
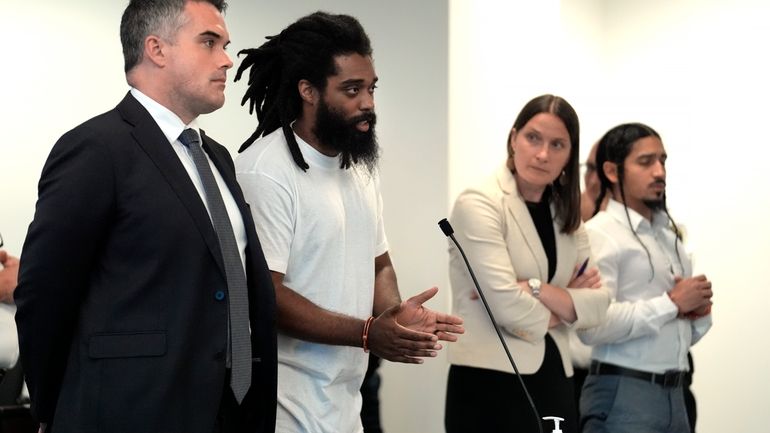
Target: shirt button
219, 295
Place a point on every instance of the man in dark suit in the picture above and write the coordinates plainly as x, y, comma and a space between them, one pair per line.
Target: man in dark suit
124, 313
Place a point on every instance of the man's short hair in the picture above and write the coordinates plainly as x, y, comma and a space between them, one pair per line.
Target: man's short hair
145, 17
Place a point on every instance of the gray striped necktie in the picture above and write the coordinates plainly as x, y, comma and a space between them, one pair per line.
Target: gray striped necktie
239, 345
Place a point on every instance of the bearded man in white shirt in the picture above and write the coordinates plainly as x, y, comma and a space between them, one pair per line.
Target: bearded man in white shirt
313, 184
639, 360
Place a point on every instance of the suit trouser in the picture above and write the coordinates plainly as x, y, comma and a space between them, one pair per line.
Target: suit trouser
619, 404
230, 417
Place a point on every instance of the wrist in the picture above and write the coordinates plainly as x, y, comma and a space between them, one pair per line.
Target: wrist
535, 287
365, 334
697, 314
672, 296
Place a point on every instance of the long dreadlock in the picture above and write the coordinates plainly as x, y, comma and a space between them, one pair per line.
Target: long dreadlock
614, 147
305, 50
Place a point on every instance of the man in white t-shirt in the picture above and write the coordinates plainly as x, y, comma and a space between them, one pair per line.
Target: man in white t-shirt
313, 185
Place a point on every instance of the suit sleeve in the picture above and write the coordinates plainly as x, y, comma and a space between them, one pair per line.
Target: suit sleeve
590, 304
480, 228
73, 211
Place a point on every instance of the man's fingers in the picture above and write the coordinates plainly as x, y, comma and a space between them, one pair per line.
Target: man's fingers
409, 334
443, 318
402, 345
405, 359
408, 345
409, 354
445, 336
419, 353
448, 327
423, 297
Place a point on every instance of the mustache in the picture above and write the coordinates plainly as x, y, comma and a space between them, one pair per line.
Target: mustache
370, 117
660, 182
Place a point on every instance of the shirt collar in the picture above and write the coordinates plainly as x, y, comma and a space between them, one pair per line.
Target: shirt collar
314, 157
170, 124
617, 210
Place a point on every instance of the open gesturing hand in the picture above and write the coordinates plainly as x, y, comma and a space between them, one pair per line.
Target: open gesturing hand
413, 315
409, 331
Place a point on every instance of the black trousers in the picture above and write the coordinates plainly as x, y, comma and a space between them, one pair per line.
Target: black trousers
230, 418
370, 397
689, 398
483, 401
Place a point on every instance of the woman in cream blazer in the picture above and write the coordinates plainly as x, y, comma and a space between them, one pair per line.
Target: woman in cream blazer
521, 232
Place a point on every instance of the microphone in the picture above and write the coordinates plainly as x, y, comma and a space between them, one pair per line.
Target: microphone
449, 232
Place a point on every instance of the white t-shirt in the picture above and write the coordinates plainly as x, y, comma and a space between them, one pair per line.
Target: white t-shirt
322, 229
9, 339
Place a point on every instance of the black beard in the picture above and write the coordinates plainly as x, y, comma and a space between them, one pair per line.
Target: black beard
656, 204
340, 134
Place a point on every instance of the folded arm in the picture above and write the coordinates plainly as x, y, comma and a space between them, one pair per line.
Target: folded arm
480, 228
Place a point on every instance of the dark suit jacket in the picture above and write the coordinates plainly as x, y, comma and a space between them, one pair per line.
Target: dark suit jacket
120, 328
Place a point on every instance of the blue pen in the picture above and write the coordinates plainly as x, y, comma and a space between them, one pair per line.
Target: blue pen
582, 268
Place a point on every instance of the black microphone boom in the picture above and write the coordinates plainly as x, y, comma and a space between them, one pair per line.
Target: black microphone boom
449, 232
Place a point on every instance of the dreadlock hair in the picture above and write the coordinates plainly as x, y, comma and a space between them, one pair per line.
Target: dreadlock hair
615, 146
145, 17
565, 191
305, 50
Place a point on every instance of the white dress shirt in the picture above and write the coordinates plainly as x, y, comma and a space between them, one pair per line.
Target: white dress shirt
642, 330
172, 127
9, 339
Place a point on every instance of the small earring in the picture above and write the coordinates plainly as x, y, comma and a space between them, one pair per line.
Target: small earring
563, 178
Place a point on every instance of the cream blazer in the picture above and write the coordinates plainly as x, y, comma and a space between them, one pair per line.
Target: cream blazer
494, 228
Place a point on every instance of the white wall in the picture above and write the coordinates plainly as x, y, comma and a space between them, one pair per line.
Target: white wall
502, 54
694, 70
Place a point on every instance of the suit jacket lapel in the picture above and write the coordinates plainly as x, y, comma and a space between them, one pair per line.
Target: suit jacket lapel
151, 139
518, 209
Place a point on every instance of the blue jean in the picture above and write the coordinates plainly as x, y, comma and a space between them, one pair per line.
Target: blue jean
618, 404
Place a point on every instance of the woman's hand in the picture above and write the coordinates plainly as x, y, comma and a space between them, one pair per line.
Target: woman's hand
590, 279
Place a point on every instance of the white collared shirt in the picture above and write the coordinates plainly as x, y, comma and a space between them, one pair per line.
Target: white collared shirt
642, 330
172, 126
